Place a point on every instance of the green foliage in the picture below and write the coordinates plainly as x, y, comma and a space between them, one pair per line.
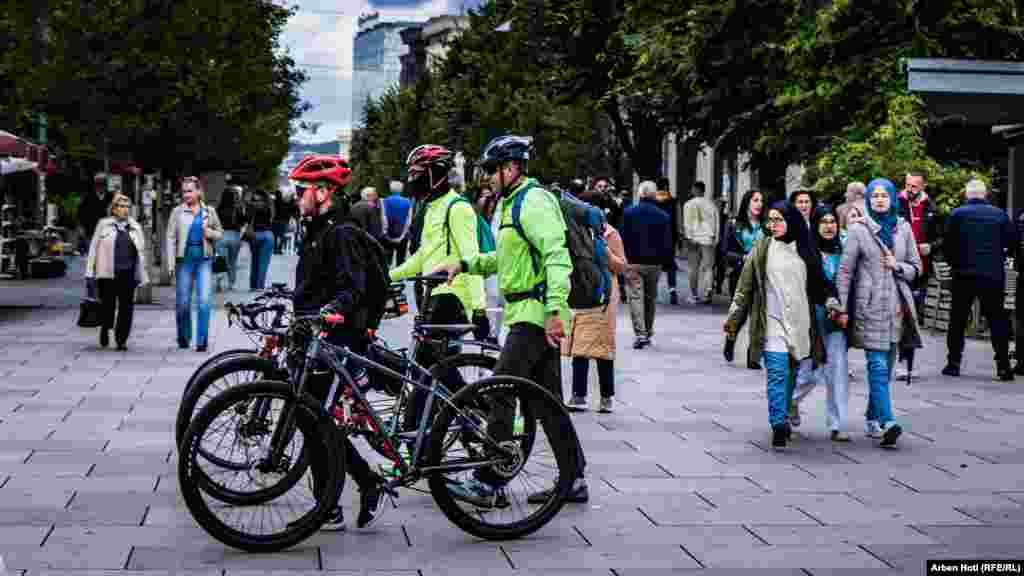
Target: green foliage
896, 148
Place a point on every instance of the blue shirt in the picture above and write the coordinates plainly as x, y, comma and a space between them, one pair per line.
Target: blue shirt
194, 245
747, 237
397, 210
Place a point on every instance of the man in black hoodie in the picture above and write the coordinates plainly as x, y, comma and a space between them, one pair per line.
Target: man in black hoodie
331, 278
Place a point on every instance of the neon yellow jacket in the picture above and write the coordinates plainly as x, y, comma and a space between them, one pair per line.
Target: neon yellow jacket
542, 221
433, 250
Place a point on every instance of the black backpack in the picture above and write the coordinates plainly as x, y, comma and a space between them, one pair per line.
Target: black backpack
377, 279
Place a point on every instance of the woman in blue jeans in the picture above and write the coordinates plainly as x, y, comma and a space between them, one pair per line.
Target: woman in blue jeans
781, 282
880, 261
193, 231
232, 216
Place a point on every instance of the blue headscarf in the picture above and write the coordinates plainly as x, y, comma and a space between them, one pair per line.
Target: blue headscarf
886, 220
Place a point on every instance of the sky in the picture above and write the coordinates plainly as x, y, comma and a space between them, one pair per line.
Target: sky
319, 38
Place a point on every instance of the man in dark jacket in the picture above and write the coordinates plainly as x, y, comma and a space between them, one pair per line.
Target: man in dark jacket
647, 237
978, 238
330, 278
95, 206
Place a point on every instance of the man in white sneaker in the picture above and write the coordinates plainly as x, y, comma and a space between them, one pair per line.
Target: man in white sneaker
700, 224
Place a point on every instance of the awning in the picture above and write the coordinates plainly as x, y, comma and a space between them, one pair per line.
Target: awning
977, 92
12, 165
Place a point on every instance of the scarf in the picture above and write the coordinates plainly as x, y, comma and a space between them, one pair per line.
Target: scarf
797, 231
887, 220
827, 246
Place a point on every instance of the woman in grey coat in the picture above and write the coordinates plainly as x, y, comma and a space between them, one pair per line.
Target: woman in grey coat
880, 261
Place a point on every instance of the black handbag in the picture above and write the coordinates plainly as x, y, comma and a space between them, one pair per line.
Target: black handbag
220, 264
90, 313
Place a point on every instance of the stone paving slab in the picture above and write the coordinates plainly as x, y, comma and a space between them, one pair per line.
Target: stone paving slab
682, 476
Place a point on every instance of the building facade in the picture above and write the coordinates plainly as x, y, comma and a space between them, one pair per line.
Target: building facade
427, 45
376, 59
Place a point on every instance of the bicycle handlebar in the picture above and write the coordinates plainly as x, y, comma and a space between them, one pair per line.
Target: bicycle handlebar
430, 279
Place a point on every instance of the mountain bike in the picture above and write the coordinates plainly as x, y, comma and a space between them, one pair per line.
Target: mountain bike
272, 424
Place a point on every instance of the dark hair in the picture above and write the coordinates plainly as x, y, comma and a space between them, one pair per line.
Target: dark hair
743, 217
662, 183
227, 201
700, 185
796, 193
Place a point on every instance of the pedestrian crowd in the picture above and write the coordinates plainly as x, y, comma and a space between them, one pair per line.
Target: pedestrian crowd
542, 269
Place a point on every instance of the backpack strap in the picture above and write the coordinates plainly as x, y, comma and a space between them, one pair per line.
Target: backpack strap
540, 290
447, 222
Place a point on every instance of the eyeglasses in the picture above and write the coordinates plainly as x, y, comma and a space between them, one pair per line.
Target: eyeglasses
775, 220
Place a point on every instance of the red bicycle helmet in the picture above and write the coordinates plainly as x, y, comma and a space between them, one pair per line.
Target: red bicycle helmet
428, 156
322, 167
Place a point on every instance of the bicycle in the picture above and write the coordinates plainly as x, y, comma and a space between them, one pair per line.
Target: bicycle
478, 419
278, 364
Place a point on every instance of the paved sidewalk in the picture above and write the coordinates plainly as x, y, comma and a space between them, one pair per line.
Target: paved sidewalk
681, 476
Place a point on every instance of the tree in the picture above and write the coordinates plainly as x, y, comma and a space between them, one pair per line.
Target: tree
172, 84
893, 150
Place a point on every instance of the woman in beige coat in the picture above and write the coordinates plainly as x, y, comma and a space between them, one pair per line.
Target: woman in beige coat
117, 265
593, 334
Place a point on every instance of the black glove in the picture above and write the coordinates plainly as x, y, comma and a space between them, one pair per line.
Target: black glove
483, 325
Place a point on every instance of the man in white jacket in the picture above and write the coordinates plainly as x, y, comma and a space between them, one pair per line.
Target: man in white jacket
700, 224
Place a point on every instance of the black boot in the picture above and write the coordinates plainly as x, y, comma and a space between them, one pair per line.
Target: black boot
781, 434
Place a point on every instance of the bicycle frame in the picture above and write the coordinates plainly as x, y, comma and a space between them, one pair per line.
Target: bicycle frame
336, 358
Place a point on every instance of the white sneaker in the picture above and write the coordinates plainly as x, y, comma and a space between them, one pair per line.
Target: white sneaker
872, 429
902, 374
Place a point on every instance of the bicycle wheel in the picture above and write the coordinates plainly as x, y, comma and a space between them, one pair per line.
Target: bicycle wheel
213, 360
295, 514
230, 371
540, 458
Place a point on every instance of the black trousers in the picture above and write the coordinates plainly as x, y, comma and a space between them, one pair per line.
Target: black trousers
526, 354
605, 376
444, 309
118, 295
1019, 313
400, 251
319, 386
991, 293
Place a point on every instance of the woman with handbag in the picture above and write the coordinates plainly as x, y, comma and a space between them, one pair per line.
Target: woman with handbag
781, 283
193, 230
879, 262
593, 334
116, 266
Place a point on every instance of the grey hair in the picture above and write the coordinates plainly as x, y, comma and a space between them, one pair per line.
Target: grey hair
647, 189
367, 191
975, 189
856, 188
396, 187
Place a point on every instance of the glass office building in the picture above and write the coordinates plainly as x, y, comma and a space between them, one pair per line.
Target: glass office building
377, 60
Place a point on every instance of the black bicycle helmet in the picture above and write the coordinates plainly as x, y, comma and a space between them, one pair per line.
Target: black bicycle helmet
505, 148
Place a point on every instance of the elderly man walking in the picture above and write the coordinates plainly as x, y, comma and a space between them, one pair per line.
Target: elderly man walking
647, 236
854, 205
978, 238
700, 223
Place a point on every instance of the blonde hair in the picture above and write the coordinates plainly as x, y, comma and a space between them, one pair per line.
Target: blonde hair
117, 198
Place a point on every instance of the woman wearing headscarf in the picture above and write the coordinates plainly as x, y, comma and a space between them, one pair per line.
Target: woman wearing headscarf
739, 239
117, 264
835, 372
879, 262
782, 281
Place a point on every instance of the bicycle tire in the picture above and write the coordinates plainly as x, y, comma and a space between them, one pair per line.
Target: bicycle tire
315, 426
213, 360
202, 379
534, 399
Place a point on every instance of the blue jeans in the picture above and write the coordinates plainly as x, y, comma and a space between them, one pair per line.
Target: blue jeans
189, 272
261, 249
232, 245
880, 366
781, 381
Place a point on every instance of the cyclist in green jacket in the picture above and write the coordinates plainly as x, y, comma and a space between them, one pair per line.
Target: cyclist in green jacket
536, 303
448, 234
